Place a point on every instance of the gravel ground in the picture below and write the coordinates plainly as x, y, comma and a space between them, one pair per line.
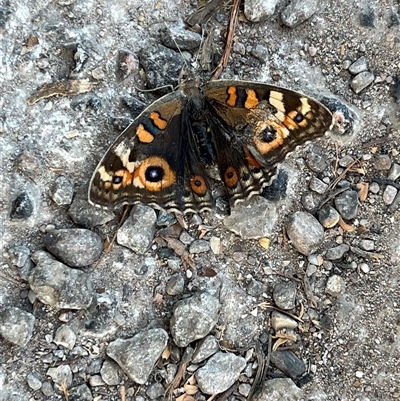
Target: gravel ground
349, 337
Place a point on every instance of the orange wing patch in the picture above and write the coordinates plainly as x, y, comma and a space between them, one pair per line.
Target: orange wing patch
158, 121
164, 178
198, 185
251, 100
143, 135
231, 177
265, 147
232, 96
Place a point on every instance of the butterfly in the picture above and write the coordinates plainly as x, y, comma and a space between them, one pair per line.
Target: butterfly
242, 129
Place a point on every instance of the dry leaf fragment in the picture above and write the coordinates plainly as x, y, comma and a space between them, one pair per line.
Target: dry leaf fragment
170, 231
32, 41
123, 393
107, 245
362, 230
158, 299
29, 45
191, 380
71, 134
166, 353
64, 88
207, 272
185, 397
264, 242
345, 226
283, 336
363, 190
278, 343
190, 389
175, 244
64, 389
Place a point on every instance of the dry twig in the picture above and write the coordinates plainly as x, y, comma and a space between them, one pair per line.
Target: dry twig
229, 40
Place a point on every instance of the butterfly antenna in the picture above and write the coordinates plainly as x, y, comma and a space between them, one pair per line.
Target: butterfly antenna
155, 89
186, 66
177, 46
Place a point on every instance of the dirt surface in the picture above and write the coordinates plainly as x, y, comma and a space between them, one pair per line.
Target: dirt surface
351, 342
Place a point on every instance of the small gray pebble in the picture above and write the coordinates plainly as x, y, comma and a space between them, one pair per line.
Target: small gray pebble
110, 373
345, 161
299, 11
199, 246
61, 375
47, 389
260, 52
335, 285
137, 355
175, 284
328, 216
282, 389
166, 219
58, 285
382, 162
96, 381
16, 325
19, 255
317, 185
138, 231
181, 39
259, 10
337, 252
316, 159
359, 65
394, 172
76, 247
33, 381
389, 194
65, 336
203, 310
239, 48
81, 393
284, 295
309, 201
207, 346
374, 187
305, 232
346, 64
367, 245
186, 238
244, 389
62, 191
155, 391
347, 204
220, 372
361, 81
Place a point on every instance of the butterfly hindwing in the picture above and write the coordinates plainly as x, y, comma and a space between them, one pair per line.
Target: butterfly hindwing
265, 124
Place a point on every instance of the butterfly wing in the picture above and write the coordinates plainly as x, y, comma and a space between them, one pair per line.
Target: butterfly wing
154, 161
266, 123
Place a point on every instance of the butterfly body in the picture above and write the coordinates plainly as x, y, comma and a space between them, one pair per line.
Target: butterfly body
243, 128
